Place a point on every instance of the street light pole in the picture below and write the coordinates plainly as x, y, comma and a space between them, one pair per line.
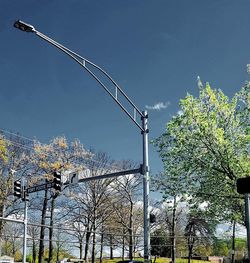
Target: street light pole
87, 64
145, 172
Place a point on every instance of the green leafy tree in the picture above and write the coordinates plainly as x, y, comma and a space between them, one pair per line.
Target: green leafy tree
220, 247
160, 243
205, 149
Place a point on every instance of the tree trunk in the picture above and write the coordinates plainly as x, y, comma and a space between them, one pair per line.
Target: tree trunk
88, 234
101, 248
42, 231
93, 246
190, 251
33, 250
51, 229
130, 252
173, 245
111, 247
191, 241
14, 245
1, 228
189, 256
58, 252
233, 243
123, 244
93, 237
130, 232
80, 248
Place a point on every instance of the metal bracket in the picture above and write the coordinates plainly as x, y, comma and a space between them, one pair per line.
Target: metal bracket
144, 171
144, 116
146, 131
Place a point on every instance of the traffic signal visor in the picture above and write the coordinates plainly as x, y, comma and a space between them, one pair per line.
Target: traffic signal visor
18, 189
57, 181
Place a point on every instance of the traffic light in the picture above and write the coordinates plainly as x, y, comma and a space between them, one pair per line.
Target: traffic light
25, 195
152, 218
18, 189
57, 181
243, 185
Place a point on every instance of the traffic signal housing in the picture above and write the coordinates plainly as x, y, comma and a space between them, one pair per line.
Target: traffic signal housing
18, 188
152, 218
243, 185
57, 181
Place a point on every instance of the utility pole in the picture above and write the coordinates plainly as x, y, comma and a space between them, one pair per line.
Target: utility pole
25, 224
233, 243
247, 213
243, 188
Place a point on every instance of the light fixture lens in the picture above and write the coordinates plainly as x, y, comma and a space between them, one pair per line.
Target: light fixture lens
24, 26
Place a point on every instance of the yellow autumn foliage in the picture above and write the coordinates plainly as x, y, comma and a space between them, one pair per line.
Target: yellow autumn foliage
3, 150
43, 165
56, 165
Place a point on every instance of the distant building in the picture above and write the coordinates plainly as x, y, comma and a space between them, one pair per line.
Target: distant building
6, 259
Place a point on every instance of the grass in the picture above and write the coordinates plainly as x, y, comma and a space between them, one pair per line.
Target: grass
178, 260
158, 260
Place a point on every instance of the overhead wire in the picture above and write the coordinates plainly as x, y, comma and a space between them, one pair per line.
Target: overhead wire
108, 233
118, 168
115, 244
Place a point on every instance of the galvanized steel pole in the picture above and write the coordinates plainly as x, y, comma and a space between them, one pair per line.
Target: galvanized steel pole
247, 213
25, 223
145, 171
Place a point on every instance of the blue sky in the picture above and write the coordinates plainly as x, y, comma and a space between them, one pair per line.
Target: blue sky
153, 49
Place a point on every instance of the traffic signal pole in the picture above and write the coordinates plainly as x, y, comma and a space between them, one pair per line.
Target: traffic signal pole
25, 224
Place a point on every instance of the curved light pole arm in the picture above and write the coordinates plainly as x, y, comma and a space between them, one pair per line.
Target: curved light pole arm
83, 62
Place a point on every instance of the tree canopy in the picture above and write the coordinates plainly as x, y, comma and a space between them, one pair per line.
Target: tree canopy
205, 148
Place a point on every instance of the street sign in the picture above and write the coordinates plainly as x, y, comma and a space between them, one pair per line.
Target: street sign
40, 187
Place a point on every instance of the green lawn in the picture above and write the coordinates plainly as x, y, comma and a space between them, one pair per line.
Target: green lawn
158, 260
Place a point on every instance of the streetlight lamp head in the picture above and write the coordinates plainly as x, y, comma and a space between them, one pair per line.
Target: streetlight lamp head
24, 26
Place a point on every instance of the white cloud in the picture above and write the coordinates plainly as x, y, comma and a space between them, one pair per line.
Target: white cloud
158, 106
225, 230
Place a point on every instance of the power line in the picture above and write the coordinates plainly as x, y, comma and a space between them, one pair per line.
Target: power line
49, 155
16, 135
60, 227
115, 244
